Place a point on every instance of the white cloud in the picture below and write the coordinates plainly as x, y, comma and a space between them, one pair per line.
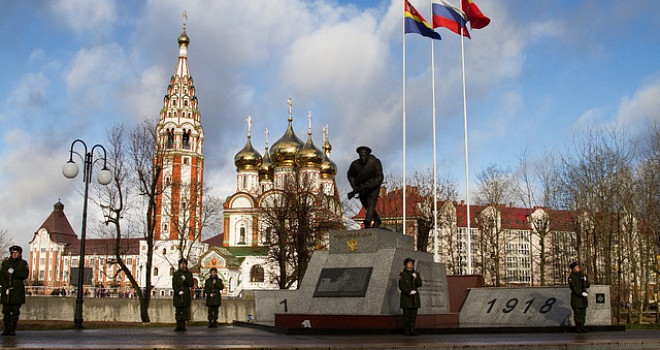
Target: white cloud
34, 171
641, 109
88, 18
30, 93
94, 73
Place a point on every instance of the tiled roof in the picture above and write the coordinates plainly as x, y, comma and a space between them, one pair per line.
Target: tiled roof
57, 222
231, 259
512, 218
390, 204
105, 246
248, 251
215, 241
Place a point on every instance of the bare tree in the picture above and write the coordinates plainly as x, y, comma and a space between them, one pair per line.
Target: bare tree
298, 219
189, 224
494, 188
4, 244
446, 190
131, 198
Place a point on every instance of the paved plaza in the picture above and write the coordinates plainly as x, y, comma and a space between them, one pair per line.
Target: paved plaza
232, 337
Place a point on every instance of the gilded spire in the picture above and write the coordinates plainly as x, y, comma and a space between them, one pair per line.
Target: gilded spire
248, 158
284, 150
183, 39
266, 170
309, 155
328, 167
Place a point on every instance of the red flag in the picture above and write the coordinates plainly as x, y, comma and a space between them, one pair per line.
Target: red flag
477, 19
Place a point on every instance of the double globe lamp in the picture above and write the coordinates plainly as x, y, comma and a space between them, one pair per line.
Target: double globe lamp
104, 177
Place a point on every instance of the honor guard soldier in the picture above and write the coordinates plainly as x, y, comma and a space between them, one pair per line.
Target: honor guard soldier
182, 281
409, 282
213, 288
12, 274
579, 283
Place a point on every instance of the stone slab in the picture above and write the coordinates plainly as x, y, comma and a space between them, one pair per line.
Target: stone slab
368, 241
381, 250
267, 303
531, 307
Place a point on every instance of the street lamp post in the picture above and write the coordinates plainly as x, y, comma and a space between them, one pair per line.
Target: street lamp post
104, 177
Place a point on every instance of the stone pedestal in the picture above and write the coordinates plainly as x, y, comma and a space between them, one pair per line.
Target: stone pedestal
532, 307
358, 275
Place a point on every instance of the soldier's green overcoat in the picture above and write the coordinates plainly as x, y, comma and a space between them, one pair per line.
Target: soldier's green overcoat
213, 288
408, 283
578, 283
15, 282
182, 281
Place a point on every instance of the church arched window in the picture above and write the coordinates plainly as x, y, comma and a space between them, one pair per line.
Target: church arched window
269, 231
186, 139
170, 139
257, 274
155, 271
241, 235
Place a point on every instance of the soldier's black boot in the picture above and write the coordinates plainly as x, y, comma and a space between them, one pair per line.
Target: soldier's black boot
12, 327
406, 331
183, 326
210, 324
584, 329
412, 331
5, 327
215, 323
578, 328
178, 326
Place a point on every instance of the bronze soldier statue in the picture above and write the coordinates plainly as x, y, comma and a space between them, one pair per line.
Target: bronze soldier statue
409, 282
182, 281
579, 283
12, 274
213, 288
366, 175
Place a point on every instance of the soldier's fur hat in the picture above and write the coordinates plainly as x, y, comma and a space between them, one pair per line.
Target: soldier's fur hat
213, 269
407, 260
183, 260
574, 264
16, 248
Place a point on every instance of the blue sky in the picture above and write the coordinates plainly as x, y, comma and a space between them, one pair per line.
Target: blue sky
540, 73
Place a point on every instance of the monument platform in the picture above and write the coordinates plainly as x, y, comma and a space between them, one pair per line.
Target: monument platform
354, 285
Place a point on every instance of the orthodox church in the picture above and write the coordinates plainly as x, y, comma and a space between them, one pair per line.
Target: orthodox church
240, 253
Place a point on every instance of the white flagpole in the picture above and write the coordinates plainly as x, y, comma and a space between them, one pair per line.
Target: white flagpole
403, 30
467, 168
435, 162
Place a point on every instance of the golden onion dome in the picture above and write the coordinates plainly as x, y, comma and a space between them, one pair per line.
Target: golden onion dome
328, 168
284, 150
309, 155
247, 158
266, 169
183, 38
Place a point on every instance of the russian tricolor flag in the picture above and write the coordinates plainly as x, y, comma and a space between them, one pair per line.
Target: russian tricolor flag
448, 16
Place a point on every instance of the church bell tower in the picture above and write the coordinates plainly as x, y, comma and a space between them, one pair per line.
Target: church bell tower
179, 139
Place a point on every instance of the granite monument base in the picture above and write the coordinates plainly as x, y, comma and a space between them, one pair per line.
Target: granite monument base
532, 307
356, 277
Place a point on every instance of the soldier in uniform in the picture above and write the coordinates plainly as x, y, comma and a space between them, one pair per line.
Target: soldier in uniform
579, 283
366, 175
182, 281
212, 288
409, 282
12, 274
